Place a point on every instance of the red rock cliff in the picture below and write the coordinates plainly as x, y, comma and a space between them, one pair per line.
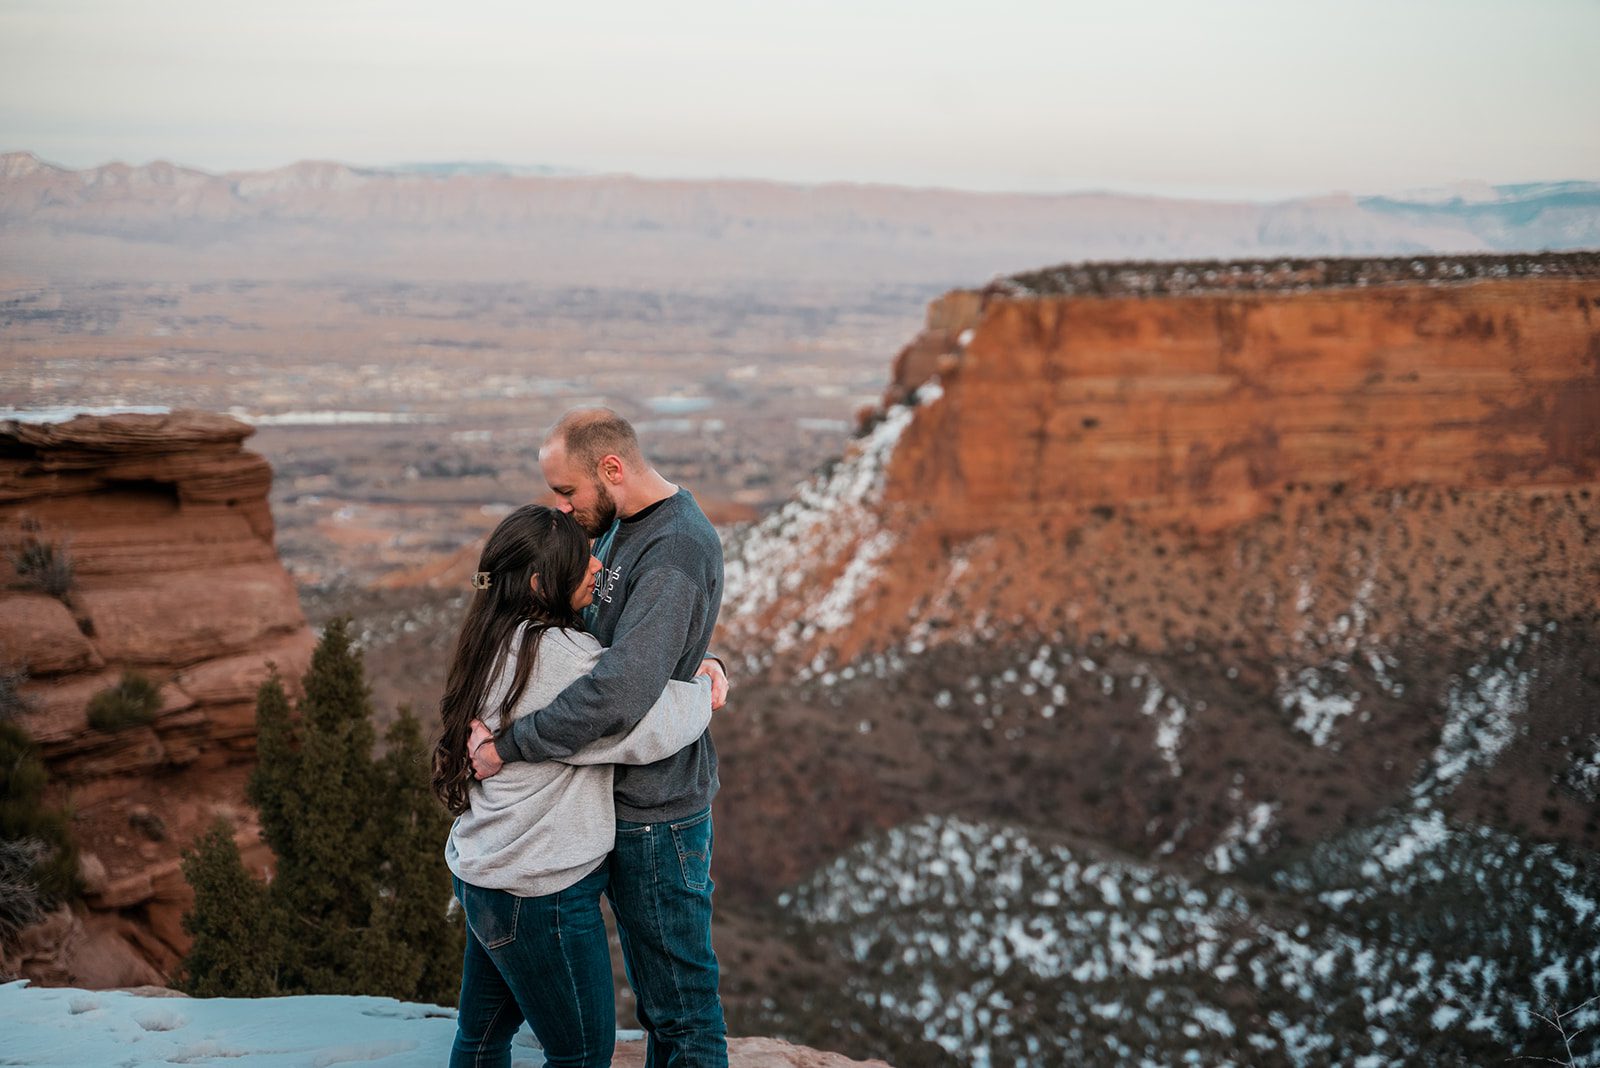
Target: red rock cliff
165, 524
1049, 435
1201, 407
1319, 515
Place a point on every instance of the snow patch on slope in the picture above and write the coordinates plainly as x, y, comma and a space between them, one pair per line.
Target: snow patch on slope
831, 523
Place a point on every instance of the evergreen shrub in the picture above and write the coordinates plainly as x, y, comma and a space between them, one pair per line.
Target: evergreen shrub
38, 860
43, 565
361, 900
132, 702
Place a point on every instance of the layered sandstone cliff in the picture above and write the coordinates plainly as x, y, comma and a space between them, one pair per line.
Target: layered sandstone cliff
160, 529
1028, 432
1199, 573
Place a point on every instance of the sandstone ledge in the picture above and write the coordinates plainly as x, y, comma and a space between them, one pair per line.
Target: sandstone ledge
757, 1053
165, 522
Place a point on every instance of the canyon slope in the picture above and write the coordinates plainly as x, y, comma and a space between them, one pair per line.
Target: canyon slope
139, 543
1192, 660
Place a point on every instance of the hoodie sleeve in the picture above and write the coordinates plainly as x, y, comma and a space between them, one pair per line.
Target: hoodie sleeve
678, 718
662, 609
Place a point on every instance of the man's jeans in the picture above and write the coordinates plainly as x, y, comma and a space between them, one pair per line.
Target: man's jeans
660, 892
545, 959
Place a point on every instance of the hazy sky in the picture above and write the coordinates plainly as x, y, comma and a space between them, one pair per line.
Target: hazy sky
1214, 98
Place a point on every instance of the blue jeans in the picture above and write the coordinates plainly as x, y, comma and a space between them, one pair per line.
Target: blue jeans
543, 959
660, 892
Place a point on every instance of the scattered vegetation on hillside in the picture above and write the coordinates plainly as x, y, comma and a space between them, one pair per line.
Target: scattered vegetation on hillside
132, 702
1371, 715
38, 860
999, 946
41, 563
1150, 278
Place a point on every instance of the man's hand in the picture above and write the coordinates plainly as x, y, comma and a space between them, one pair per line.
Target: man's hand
711, 667
480, 743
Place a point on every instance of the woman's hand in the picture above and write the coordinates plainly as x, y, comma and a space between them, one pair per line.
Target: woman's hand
480, 743
711, 667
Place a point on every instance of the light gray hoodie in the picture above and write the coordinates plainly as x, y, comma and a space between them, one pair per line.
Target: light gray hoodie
536, 828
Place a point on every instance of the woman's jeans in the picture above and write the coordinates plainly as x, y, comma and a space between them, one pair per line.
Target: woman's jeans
661, 894
543, 959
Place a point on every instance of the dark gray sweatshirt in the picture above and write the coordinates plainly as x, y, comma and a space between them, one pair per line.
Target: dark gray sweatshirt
657, 597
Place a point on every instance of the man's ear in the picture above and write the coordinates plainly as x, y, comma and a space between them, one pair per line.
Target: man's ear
611, 468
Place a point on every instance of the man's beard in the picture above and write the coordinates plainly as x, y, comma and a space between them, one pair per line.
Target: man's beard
605, 513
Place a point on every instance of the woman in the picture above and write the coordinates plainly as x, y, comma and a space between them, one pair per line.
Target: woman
528, 847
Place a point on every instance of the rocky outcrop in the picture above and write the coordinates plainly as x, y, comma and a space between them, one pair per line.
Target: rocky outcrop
758, 1053
1092, 540
140, 543
1022, 422
1245, 580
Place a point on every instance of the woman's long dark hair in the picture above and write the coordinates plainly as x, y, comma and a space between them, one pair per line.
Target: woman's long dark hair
532, 540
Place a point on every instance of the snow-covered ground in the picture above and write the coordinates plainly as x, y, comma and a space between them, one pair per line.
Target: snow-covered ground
47, 1026
830, 522
1005, 949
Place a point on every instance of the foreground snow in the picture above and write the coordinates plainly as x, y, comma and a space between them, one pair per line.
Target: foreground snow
84, 1029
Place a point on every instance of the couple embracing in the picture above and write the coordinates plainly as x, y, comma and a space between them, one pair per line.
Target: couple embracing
576, 757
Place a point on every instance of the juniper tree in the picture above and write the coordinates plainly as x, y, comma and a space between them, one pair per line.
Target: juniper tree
25, 818
38, 860
414, 874
272, 786
361, 889
236, 927
316, 788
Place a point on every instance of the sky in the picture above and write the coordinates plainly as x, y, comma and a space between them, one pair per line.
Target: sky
1225, 98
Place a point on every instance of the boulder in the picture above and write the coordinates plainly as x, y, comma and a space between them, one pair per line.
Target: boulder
39, 636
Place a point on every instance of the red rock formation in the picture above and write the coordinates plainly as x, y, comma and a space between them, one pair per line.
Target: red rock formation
1221, 580
165, 523
1046, 416
1316, 512
1201, 406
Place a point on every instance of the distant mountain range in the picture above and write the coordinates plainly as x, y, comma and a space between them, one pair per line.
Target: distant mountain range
451, 168
490, 219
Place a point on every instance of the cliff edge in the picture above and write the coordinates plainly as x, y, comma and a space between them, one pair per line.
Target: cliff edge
1273, 581
139, 543
1324, 505
1128, 403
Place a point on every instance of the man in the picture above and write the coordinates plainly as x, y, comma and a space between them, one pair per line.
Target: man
657, 598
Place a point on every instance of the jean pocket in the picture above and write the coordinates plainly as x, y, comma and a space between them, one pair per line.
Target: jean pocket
492, 915
692, 838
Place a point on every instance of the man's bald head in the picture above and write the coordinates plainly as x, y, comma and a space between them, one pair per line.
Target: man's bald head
589, 435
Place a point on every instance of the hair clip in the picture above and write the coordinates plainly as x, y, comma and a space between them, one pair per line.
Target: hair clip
480, 580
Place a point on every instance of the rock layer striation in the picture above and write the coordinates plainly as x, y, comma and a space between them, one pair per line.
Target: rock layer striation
1022, 423
140, 543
